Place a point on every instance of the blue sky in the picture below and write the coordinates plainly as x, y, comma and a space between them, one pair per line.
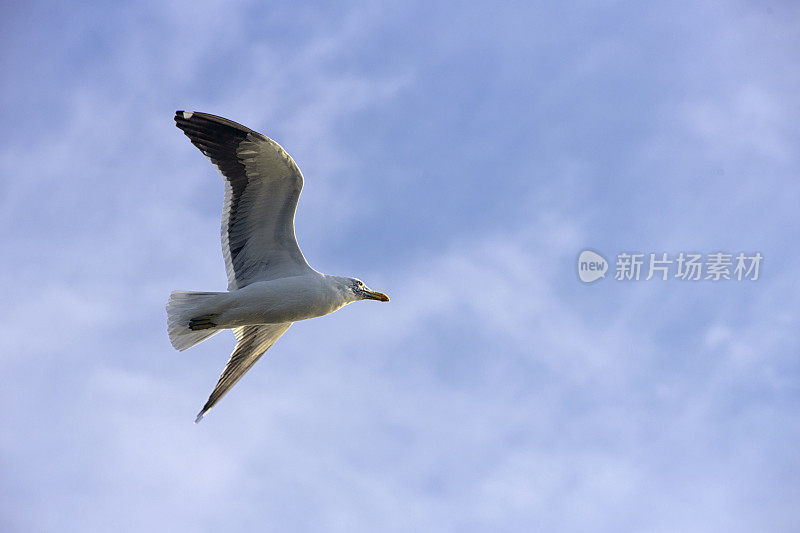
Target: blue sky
458, 158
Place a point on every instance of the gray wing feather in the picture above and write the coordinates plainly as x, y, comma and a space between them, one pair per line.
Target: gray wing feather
253, 342
262, 187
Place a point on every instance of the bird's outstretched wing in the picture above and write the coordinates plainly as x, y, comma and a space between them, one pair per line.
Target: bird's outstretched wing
262, 186
253, 341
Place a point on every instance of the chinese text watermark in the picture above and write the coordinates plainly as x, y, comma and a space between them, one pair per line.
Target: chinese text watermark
685, 266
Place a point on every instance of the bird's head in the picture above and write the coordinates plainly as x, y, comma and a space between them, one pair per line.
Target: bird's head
362, 292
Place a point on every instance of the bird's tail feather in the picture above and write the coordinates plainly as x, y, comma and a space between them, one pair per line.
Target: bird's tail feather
183, 308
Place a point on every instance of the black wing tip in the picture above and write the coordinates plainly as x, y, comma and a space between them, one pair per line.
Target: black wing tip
186, 120
209, 121
195, 119
206, 408
210, 133
181, 115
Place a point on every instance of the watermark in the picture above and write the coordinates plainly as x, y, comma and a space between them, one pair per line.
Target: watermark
591, 266
684, 266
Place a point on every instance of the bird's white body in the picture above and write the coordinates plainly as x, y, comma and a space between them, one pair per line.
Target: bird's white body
279, 300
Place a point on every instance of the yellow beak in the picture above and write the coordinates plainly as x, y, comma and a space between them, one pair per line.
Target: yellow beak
375, 295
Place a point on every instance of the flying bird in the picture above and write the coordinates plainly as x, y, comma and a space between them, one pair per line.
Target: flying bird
270, 284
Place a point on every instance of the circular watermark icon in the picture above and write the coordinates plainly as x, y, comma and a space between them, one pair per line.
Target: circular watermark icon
591, 266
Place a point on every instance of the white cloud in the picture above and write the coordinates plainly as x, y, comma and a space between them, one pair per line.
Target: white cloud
751, 119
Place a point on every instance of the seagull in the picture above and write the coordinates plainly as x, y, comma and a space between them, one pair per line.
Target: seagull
270, 284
